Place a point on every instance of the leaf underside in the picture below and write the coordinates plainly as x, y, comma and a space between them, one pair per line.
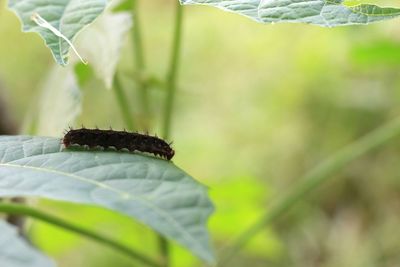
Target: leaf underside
151, 190
67, 16
328, 13
16, 252
71, 16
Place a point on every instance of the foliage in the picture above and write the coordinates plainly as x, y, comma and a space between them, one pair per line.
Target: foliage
150, 190
68, 17
327, 13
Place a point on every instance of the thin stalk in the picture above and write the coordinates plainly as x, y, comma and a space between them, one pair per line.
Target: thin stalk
164, 251
313, 179
172, 72
140, 63
10, 208
169, 104
15, 219
123, 103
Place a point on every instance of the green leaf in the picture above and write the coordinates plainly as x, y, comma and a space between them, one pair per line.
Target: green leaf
327, 13
67, 16
15, 251
123, 5
83, 73
152, 190
376, 54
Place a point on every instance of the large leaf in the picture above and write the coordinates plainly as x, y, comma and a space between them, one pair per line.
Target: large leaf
152, 190
327, 13
15, 251
67, 16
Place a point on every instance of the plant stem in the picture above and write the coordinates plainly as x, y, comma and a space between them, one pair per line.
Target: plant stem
140, 64
164, 250
315, 178
10, 208
123, 103
15, 219
172, 73
169, 104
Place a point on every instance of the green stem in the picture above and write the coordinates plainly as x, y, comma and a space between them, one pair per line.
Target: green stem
164, 251
315, 178
172, 73
140, 64
123, 103
10, 208
169, 104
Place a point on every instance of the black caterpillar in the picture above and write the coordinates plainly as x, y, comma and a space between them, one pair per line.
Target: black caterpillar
119, 140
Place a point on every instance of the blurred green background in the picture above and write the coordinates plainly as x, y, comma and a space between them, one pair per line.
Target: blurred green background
258, 106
